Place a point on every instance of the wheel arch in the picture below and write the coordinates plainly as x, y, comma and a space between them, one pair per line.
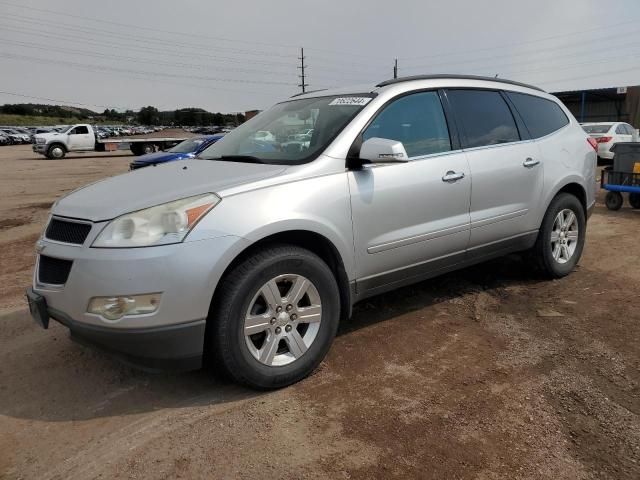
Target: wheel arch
310, 240
572, 186
60, 144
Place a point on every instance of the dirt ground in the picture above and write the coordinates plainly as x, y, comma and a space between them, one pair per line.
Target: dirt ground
486, 373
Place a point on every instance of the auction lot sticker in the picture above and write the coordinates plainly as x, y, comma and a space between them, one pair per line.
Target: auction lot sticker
357, 101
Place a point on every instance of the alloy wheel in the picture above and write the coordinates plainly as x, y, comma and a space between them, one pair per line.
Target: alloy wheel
564, 236
283, 320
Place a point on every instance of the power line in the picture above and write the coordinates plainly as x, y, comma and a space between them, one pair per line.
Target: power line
155, 40
535, 52
607, 27
144, 49
140, 27
175, 32
162, 74
41, 46
67, 102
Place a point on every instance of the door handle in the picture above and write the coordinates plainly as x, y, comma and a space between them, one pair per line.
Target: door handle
452, 176
530, 162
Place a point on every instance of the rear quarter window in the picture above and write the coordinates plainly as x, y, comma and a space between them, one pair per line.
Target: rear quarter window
541, 116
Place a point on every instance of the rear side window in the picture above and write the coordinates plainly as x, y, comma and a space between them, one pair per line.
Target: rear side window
485, 117
416, 120
541, 116
621, 130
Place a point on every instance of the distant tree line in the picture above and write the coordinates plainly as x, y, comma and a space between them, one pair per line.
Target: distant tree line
148, 115
46, 110
187, 116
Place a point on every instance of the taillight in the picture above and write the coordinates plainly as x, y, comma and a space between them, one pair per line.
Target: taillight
603, 139
593, 143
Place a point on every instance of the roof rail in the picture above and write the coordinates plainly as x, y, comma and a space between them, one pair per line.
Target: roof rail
454, 76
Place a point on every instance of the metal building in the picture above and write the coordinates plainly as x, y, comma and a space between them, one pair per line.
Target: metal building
618, 104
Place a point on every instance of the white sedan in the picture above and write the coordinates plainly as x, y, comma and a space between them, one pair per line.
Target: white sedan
607, 134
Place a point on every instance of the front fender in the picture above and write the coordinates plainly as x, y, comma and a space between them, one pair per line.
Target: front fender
319, 205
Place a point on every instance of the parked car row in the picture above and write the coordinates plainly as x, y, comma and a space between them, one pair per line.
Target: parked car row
14, 135
10, 135
209, 130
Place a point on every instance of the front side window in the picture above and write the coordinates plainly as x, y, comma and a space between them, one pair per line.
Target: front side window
541, 116
485, 117
291, 132
416, 120
79, 131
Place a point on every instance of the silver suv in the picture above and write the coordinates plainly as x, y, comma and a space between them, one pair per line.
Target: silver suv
250, 255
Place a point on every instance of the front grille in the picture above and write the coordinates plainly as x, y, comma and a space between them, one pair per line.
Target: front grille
67, 232
54, 271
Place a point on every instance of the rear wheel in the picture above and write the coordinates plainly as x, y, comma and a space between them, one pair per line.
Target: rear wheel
275, 317
634, 200
561, 236
613, 200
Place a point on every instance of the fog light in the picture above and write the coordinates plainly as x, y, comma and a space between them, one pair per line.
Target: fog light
114, 308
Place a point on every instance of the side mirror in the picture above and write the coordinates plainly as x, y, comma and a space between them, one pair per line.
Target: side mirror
383, 150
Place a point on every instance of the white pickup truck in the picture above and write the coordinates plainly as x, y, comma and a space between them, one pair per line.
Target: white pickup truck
82, 138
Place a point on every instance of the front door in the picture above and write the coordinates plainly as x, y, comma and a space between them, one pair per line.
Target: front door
410, 219
81, 139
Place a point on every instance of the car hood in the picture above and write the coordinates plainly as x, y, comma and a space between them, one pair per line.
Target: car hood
50, 135
146, 187
160, 157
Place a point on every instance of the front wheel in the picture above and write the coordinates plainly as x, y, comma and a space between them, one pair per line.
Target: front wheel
634, 200
275, 317
561, 236
56, 152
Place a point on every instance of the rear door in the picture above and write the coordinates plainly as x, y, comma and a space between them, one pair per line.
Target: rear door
506, 168
410, 219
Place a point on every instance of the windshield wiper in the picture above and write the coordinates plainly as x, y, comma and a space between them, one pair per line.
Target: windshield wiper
237, 158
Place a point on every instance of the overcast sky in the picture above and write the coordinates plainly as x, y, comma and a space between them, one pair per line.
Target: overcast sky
238, 55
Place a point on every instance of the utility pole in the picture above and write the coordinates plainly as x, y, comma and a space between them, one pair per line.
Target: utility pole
302, 66
395, 69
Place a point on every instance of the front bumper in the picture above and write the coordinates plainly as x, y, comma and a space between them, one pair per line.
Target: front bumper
39, 148
185, 274
174, 347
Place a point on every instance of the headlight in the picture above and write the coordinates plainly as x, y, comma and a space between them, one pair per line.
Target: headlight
159, 225
40, 140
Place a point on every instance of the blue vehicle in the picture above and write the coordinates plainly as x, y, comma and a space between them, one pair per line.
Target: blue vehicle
186, 149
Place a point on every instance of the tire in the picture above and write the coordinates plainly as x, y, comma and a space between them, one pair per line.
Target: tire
613, 200
136, 149
555, 258
56, 152
245, 358
148, 148
634, 200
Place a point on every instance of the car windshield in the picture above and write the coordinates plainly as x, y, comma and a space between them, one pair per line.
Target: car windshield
596, 128
289, 133
188, 146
